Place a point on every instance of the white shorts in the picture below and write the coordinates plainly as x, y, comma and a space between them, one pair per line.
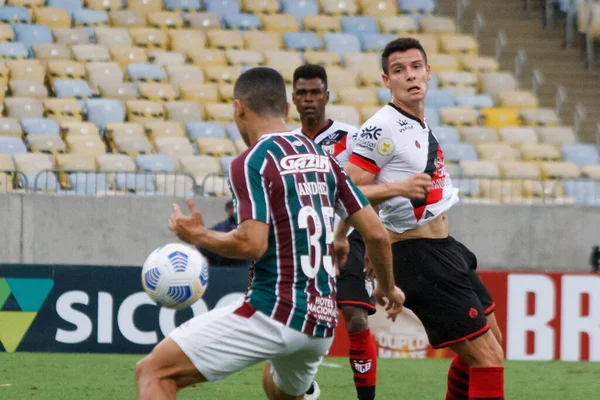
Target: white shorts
231, 338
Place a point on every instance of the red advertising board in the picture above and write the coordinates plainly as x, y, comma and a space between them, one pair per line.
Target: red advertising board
542, 316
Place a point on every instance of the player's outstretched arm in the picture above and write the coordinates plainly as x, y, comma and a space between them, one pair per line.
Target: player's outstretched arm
248, 241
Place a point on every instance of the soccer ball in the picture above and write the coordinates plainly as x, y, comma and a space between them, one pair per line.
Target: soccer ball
175, 275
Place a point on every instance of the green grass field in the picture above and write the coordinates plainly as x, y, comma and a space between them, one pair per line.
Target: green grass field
93, 376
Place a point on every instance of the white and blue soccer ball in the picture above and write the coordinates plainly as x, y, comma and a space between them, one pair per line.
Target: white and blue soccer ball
175, 275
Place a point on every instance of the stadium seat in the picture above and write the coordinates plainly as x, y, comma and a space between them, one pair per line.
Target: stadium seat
505, 191
64, 69
497, 152
126, 19
339, 7
182, 40
559, 170
46, 143
22, 107
260, 6
118, 90
179, 74
158, 129
144, 111
217, 147
73, 88
479, 134
492, 83
244, 57
476, 101
417, 6
10, 127
157, 92
88, 183
32, 89
359, 25
155, 163
200, 166
164, 20
101, 72
518, 135
111, 37
591, 171
582, 154
49, 51
358, 97
225, 162
457, 78
439, 99
89, 53
144, 6
443, 62
106, 5
76, 162
68, 5
88, 18
201, 129
540, 152
458, 44
432, 116
145, 73
78, 129
520, 170
344, 113
132, 145
242, 22
479, 169
321, 23
86, 145
438, 25
220, 74
174, 147
459, 151
30, 70
13, 50
263, 41
223, 8
14, 15
32, 163
474, 63
124, 55
183, 5
52, 17
431, 43
6, 33
12, 145
584, 191
375, 41
299, 9
225, 91
324, 58
104, 111
519, 99
207, 57
41, 126
6, 163
175, 185
458, 116
199, 92
149, 38
539, 117
202, 21
232, 131
241, 146
498, 117
556, 135
339, 78
446, 134
71, 36
280, 23
135, 182
398, 24
224, 39
115, 162
217, 186
301, 41
378, 8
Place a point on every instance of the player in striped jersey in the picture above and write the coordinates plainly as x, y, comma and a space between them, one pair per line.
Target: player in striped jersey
355, 290
286, 191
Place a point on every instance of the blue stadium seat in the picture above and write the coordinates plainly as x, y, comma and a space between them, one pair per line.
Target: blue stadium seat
232, 131
434, 82
13, 50
69, 5
29, 34
432, 115
202, 129
223, 7
359, 24
446, 134
88, 183
585, 191
134, 182
420, 6
88, 17
455, 152
155, 163
101, 112
225, 162
300, 8
40, 126
341, 43
384, 95
76, 88
301, 41
242, 21
12, 145
45, 180
582, 154
466, 187
439, 98
183, 5
14, 15
475, 101
145, 72
375, 41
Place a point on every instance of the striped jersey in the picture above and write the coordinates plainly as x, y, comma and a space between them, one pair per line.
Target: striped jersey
288, 182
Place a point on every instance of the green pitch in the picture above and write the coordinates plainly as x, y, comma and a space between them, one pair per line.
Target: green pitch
93, 376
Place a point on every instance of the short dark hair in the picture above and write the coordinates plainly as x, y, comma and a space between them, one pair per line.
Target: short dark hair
310, 71
228, 205
262, 89
400, 45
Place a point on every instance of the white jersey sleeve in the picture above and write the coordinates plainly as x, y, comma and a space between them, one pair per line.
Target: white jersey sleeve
374, 146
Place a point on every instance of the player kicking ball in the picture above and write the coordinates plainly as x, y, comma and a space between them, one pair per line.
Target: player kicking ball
436, 272
286, 190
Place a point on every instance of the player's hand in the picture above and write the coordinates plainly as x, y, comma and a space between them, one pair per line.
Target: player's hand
393, 301
369, 270
187, 227
341, 249
416, 186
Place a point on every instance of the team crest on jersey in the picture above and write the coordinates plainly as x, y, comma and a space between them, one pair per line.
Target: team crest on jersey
386, 146
304, 163
333, 138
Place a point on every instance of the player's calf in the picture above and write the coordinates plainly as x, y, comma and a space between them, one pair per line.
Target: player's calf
363, 351
271, 390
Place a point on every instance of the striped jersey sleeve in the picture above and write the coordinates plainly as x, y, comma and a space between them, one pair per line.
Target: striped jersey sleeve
250, 187
349, 198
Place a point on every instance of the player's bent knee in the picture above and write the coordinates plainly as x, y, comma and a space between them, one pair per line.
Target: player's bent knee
356, 319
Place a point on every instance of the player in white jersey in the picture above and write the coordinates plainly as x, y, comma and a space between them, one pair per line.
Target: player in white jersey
436, 272
354, 291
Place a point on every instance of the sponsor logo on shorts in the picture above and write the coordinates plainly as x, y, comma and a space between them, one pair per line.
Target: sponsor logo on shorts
303, 163
473, 313
362, 367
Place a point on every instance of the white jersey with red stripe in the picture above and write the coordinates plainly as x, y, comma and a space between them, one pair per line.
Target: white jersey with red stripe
395, 145
336, 138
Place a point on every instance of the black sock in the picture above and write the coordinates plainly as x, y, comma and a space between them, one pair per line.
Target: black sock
365, 392
311, 389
